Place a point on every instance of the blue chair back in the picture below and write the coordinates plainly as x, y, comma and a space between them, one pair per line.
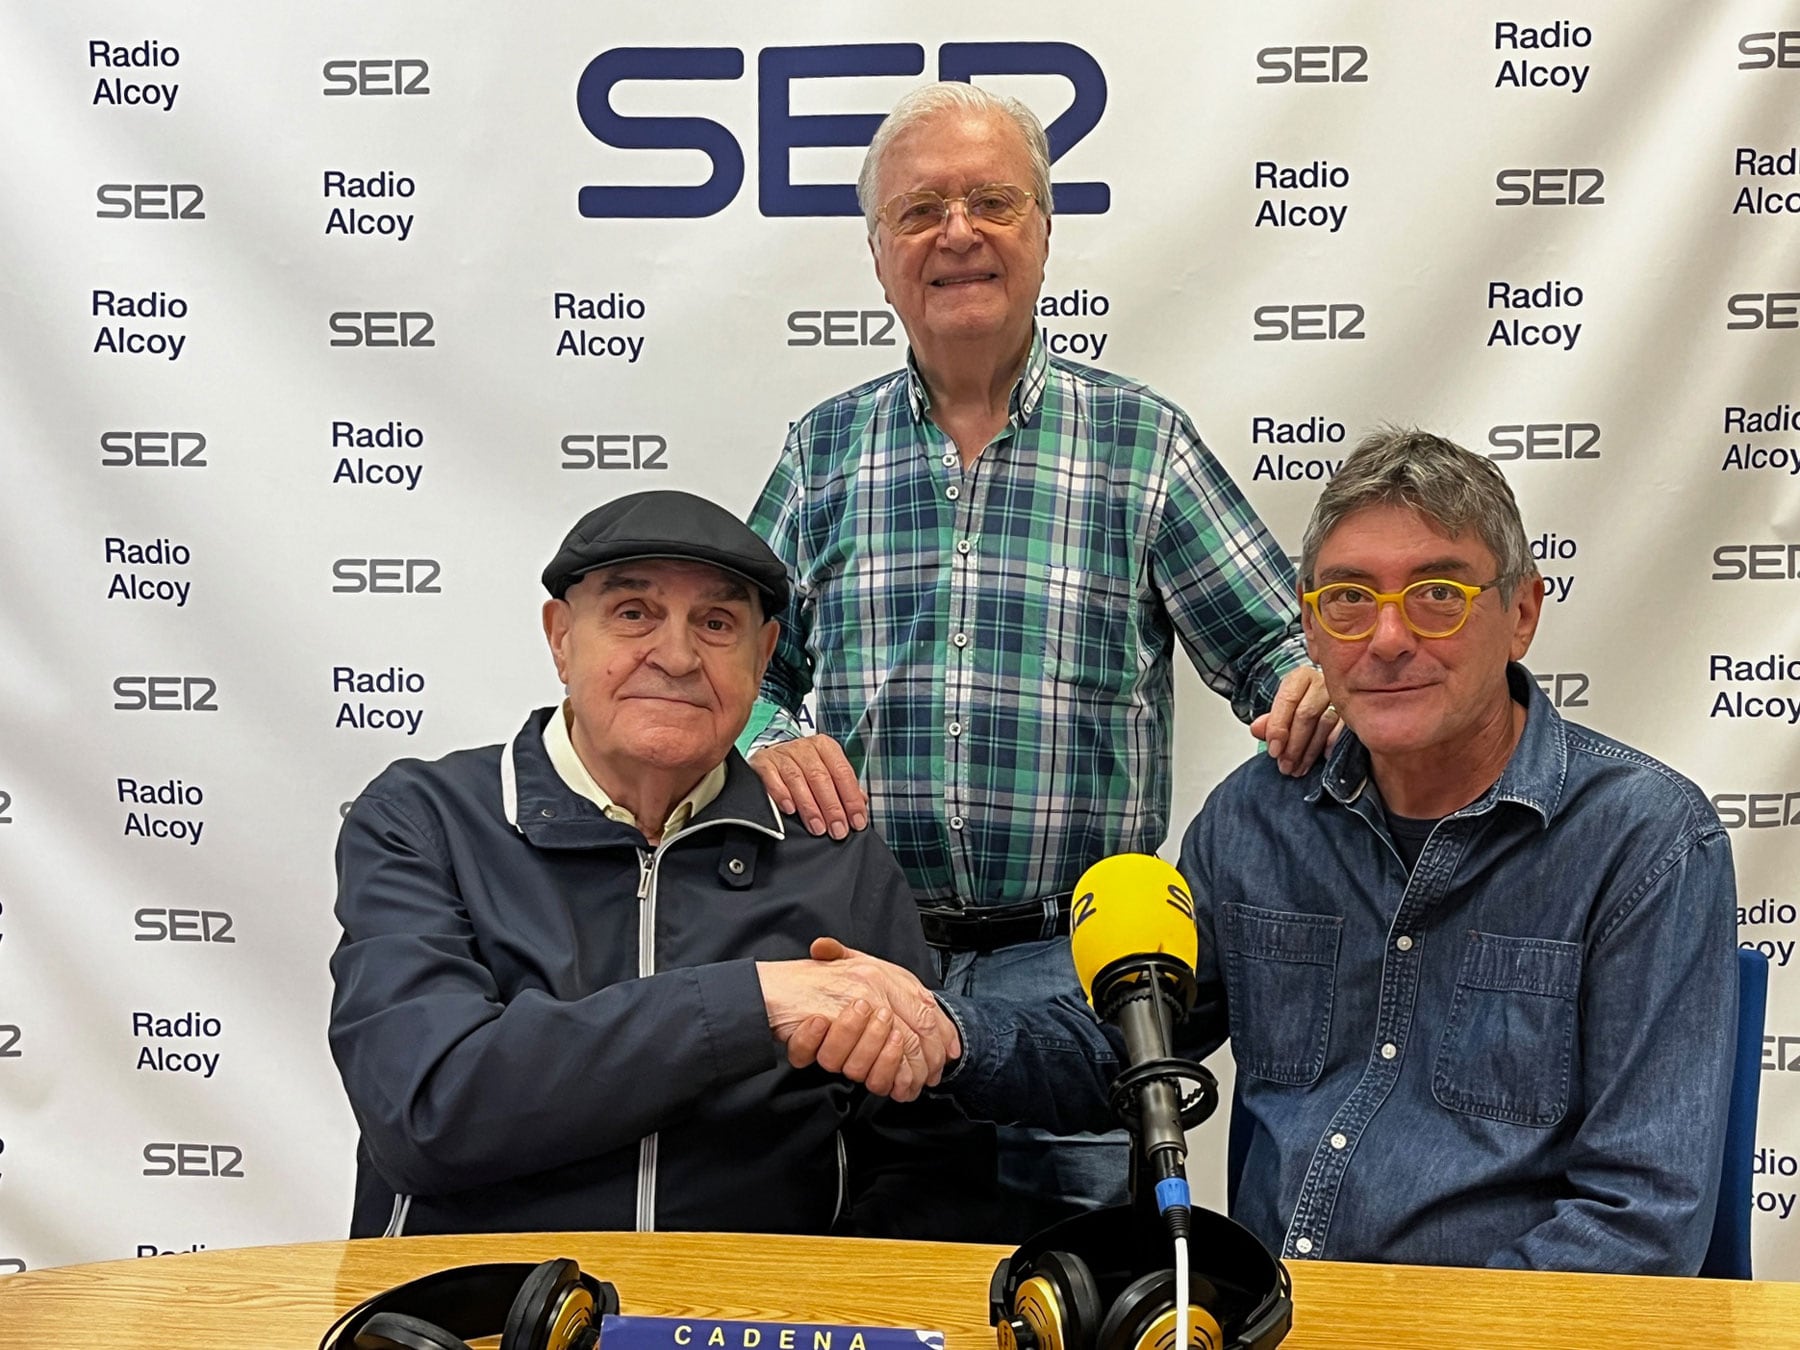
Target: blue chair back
1728, 1256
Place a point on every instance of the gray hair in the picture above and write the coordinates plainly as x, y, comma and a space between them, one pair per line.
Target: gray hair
1446, 484
953, 96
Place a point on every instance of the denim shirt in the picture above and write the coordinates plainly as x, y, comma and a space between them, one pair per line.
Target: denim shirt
1518, 1056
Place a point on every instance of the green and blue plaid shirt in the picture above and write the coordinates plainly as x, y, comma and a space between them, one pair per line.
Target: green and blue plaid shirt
992, 646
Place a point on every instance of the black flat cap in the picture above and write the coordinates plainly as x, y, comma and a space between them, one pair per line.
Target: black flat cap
668, 524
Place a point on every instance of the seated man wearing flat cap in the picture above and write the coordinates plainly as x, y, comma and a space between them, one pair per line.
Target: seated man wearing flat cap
569, 963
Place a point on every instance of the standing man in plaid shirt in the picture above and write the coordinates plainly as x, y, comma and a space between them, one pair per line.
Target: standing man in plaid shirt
994, 553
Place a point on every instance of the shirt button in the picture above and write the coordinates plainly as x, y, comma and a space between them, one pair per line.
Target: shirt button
953, 492
961, 639
1403, 942
963, 546
1338, 1141
1303, 1245
956, 822
955, 728
1389, 1050
949, 459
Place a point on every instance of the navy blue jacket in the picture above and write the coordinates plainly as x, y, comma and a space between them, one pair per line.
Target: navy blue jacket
543, 1023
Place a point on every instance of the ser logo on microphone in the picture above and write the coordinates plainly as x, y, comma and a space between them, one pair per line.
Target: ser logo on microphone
1182, 901
1081, 911
1083, 908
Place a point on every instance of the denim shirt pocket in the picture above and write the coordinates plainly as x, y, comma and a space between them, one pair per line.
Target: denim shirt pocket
1281, 972
1508, 1046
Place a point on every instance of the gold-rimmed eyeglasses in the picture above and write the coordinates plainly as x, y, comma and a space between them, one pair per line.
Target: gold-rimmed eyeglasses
917, 212
1434, 608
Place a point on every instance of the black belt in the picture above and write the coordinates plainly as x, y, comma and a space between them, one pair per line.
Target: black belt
986, 928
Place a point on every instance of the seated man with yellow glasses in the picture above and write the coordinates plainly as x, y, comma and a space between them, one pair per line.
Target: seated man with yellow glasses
1477, 966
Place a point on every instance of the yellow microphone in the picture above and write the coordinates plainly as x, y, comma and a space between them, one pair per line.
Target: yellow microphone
1133, 940
1130, 904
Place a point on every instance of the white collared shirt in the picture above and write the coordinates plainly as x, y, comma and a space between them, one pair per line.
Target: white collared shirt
573, 772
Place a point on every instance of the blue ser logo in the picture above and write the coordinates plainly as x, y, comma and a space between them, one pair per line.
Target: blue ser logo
780, 132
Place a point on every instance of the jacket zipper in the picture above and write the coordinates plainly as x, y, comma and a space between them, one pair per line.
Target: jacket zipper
646, 894
843, 1179
646, 1189
397, 1219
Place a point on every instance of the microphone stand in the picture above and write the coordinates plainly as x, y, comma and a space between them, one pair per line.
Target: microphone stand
1224, 1269
1146, 996
1161, 1096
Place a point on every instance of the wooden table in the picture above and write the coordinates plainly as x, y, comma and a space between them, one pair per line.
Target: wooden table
260, 1298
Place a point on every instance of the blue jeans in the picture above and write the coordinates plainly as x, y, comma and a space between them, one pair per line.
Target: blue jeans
1044, 1177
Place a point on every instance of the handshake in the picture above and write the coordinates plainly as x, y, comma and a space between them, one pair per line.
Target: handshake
853, 1014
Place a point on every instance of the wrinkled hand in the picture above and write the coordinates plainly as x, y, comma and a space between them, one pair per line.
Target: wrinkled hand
810, 777
857, 1015
1301, 723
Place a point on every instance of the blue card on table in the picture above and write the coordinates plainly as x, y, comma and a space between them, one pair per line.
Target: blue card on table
619, 1332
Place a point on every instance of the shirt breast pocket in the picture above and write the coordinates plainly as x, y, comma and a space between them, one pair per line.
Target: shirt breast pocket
1281, 971
1508, 1046
1086, 627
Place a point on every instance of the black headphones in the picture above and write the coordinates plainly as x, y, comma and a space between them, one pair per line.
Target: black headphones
551, 1306
1082, 1285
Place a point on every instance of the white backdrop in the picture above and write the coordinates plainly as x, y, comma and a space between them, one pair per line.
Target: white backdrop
201, 663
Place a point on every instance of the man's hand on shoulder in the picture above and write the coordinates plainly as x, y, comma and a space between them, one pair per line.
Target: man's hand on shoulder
854, 1014
1301, 723
811, 778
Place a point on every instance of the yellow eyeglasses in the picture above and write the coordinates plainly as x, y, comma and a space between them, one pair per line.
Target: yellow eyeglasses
1433, 609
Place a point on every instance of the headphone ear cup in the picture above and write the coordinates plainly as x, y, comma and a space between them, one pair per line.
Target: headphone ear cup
552, 1308
1143, 1317
397, 1331
1057, 1298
